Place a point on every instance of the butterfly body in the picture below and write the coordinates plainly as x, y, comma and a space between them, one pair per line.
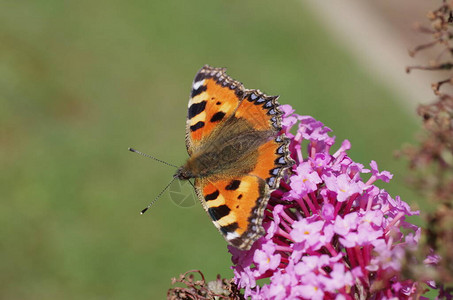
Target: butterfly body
237, 154
231, 151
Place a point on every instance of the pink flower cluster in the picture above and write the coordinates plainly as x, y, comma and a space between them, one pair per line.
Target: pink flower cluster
330, 234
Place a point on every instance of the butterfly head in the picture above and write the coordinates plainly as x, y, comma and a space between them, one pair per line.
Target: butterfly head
183, 174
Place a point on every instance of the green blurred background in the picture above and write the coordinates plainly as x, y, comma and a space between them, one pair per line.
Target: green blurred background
81, 81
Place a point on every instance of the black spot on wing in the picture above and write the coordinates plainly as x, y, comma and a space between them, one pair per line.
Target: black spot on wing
198, 91
197, 126
196, 108
212, 196
271, 112
237, 242
280, 161
217, 116
200, 76
218, 212
239, 93
271, 181
234, 184
229, 228
274, 172
259, 101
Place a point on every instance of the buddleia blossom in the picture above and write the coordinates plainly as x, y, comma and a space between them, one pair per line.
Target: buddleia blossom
330, 232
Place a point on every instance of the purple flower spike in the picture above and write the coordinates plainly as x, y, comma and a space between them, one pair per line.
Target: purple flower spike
329, 234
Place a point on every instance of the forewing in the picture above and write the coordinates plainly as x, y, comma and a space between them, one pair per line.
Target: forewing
214, 98
261, 111
273, 155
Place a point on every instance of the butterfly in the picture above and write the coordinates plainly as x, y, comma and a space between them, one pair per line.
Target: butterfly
237, 153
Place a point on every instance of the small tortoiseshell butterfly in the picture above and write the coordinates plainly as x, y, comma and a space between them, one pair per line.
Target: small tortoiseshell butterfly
237, 153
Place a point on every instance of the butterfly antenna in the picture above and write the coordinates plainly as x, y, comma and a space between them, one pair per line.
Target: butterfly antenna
149, 156
158, 196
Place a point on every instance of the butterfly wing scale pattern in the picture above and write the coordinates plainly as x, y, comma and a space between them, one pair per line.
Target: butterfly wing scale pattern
214, 98
273, 156
232, 205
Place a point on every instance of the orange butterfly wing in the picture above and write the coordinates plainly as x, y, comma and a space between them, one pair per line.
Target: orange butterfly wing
232, 206
273, 155
214, 98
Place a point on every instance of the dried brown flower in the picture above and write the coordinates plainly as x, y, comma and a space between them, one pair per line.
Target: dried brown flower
202, 290
431, 162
